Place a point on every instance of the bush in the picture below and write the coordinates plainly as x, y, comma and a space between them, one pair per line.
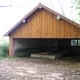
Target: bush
4, 49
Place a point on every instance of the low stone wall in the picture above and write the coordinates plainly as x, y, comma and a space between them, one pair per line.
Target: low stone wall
54, 56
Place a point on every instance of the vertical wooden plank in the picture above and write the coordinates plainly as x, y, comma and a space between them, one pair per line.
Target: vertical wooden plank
50, 23
54, 25
33, 26
64, 28
45, 25
40, 24
23, 33
61, 29
72, 28
56, 28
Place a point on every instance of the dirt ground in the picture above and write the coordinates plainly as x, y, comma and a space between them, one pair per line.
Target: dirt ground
39, 69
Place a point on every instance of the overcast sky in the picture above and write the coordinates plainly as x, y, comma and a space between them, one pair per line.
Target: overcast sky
13, 10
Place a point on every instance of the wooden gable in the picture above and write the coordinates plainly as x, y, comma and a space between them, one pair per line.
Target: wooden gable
44, 24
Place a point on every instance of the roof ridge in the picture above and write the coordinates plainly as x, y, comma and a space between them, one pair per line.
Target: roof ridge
40, 4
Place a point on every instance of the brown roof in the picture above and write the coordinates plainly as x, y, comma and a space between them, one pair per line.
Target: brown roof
46, 8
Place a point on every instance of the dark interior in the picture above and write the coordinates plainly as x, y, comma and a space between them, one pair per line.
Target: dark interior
61, 46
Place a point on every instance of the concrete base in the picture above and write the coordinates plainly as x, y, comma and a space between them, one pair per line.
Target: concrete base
54, 56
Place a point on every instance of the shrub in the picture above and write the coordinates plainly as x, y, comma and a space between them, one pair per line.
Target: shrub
4, 49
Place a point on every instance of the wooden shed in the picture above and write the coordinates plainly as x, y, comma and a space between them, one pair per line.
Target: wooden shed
42, 27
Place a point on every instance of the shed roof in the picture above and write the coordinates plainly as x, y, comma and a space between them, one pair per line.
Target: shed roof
46, 8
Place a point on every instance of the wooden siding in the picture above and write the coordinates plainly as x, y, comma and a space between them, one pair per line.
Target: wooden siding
43, 24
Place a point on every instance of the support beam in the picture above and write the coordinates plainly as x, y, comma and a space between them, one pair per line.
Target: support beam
11, 47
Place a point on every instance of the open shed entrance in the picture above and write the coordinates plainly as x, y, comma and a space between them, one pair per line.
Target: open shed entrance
50, 46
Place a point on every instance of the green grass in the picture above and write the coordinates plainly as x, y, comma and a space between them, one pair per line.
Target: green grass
4, 47
9, 58
14, 58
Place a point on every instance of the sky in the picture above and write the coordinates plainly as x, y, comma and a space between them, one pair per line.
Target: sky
13, 10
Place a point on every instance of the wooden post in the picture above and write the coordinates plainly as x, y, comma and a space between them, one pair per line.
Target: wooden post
11, 47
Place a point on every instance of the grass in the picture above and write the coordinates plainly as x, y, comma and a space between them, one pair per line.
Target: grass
4, 47
9, 58
14, 58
